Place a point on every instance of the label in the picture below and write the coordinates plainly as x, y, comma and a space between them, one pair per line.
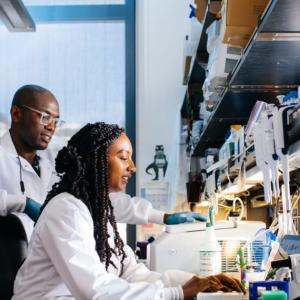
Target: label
210, 263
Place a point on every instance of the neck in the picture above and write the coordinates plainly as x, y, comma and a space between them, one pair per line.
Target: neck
22, 149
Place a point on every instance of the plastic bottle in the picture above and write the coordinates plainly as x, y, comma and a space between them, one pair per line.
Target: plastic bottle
210, 250
236, 131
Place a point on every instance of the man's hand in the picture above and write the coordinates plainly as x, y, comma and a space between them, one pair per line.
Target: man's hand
183, 217
32, 209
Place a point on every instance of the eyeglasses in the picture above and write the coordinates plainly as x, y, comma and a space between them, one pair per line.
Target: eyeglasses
46, 119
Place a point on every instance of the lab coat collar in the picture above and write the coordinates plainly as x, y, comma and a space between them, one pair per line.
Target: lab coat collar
7, 143
46, 166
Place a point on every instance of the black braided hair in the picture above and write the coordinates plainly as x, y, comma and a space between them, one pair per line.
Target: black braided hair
83, 169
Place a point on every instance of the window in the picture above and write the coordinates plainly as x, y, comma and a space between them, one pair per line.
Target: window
73, 2
84, 54
83, 64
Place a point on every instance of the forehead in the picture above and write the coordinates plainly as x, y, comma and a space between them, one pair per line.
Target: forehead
120, 144
45, 102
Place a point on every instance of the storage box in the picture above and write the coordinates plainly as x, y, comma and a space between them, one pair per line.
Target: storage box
213, 7
240, 19
200, 9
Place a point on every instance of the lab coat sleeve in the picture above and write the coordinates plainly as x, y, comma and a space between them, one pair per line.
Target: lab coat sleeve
134, 272
172, 279
67, 236
134, 210
11, 203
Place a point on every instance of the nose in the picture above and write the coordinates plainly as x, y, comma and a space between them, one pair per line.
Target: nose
51, 126
132, 167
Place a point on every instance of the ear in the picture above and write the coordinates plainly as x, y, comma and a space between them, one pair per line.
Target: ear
16, 114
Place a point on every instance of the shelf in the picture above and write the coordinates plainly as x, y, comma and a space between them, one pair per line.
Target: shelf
269, 66
283, 16
269, 63
272, 57
234, 108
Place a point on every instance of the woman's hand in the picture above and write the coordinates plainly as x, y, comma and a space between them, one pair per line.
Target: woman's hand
199, 284
212, 283
228, 283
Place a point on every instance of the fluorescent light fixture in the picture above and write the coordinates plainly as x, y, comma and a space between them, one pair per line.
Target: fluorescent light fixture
15, 16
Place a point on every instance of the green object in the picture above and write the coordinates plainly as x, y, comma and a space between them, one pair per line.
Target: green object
242, 261
32, 209
211, 217
274, 295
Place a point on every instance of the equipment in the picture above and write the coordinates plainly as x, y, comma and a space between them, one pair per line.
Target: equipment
266, 157
271, 141
290, 267
179, 245
281, 122
220, 296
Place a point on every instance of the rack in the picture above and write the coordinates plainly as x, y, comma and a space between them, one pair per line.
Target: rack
269, 66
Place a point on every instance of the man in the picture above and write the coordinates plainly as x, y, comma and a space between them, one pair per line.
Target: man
26, 175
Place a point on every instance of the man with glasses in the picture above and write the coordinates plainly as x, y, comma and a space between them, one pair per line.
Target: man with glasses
26, 174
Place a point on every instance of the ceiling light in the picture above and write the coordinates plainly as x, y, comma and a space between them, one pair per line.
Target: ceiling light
15, 16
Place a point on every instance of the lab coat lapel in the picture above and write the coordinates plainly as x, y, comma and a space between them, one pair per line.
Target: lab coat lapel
45, 165
46, 171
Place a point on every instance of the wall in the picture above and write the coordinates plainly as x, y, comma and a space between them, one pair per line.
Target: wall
161, 27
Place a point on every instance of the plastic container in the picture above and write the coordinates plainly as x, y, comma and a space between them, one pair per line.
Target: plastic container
210, 249
274, 295
268, 285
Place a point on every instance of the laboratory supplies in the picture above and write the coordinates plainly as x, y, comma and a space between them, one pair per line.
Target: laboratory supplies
292, 264
234, 144
220, 296
210, 249
274, 295
252, 275
243, 265
177, 247
268, 285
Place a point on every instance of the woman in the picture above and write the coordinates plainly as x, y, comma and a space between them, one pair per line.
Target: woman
76, 250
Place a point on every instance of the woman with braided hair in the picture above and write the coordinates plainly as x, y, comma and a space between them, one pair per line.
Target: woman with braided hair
76, 251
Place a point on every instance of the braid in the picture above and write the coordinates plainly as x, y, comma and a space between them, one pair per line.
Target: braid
83, 170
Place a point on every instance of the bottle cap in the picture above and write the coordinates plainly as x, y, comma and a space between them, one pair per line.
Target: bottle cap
236, 126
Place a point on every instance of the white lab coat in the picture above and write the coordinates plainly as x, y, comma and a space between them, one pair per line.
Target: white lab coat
36, 187
126, 209
62, 262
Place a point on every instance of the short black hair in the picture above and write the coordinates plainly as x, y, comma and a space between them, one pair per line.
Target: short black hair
25, 95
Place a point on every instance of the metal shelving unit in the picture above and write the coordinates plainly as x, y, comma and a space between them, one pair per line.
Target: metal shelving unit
269, 66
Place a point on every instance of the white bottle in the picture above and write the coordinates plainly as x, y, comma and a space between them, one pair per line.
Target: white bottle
210, 249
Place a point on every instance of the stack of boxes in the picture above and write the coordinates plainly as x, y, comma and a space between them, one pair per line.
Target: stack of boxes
239, 17
226, 37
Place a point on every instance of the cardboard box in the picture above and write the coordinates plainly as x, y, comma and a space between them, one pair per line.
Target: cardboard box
201, 6
240, 19
214, 6
200, 9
